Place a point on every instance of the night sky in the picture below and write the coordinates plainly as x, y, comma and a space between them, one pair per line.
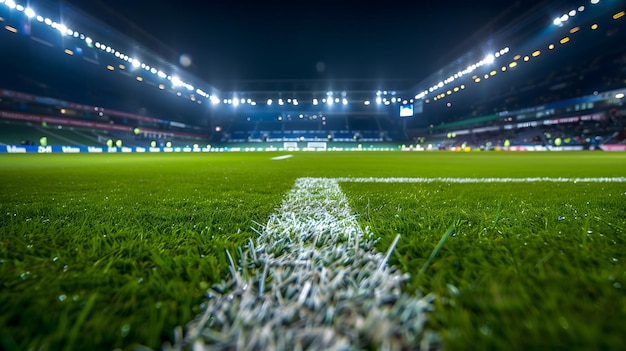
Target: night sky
259, 40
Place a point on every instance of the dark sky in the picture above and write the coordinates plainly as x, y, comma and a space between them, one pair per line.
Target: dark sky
259, 40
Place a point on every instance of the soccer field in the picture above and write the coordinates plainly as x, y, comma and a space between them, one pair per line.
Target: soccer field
517, 250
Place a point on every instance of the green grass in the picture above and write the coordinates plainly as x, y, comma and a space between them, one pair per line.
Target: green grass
529, 266
111, 251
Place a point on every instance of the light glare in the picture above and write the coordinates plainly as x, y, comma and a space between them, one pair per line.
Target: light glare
30, 13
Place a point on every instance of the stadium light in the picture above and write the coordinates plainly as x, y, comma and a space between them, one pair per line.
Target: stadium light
175, 80
345, 101
269, 102
10, 4
315, 102
30, 13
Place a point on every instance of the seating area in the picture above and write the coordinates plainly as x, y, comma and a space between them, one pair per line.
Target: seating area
25, 119
314, 127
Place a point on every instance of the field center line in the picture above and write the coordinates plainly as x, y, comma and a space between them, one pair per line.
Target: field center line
312, 280
483, 180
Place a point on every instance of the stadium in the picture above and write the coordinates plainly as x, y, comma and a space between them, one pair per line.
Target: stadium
477, 201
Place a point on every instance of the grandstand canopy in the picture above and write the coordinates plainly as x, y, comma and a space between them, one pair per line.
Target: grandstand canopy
292, 58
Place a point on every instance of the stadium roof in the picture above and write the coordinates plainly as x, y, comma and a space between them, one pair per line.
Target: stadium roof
249, 53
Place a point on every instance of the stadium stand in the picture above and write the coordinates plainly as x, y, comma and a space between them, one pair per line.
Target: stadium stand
549, 88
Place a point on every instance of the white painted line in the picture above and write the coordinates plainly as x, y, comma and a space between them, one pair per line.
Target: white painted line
312, 280
482, 180
283, 157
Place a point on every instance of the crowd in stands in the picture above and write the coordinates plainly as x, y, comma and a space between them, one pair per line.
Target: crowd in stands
316, 127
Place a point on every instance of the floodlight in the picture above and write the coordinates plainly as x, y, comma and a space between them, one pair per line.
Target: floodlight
30, 13
490, 58
315, 102
345, 101
10, 4
175, 80
269, 102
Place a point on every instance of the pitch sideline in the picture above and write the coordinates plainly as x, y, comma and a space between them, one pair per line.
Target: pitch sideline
313, 278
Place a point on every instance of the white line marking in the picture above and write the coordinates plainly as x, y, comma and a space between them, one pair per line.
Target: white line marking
482, 180
312, 280
283, 157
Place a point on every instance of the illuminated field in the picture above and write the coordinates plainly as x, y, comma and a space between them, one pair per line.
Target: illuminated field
106, 251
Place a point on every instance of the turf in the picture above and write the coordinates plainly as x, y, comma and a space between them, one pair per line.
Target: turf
113, 251
529, 266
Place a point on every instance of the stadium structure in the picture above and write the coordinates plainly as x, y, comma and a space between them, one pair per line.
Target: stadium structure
538, 82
